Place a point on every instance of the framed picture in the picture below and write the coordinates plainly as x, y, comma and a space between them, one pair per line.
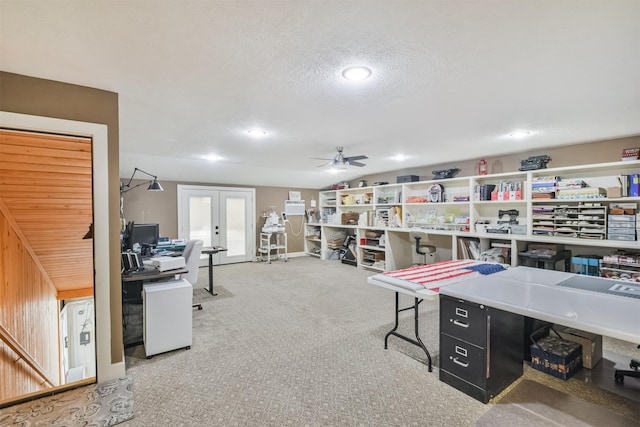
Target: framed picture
294, 195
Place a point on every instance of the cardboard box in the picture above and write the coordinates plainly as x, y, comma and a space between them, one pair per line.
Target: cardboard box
557, 357
591, 344
614, 192
350, 218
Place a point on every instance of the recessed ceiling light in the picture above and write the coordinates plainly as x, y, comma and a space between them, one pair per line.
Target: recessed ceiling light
356, 73
399, 157
212, 157
257, 133
520, 134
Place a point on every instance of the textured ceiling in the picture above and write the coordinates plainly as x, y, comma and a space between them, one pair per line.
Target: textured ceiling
450, 79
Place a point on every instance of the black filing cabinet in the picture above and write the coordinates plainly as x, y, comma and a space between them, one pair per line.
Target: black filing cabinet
480, 347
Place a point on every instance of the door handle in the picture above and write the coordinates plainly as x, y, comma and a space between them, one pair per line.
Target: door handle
458, 362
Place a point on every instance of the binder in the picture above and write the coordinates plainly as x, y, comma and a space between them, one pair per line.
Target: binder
634, 185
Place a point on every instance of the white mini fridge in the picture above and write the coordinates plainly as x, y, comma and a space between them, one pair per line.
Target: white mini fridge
167, 316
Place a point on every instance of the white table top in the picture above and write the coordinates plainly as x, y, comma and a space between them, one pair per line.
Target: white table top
422, 294
534, 293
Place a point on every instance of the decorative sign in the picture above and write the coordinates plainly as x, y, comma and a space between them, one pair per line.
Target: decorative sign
630, 154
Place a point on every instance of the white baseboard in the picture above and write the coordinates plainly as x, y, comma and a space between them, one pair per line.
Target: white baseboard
296, 254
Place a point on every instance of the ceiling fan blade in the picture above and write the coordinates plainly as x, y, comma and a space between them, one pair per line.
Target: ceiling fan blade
351, 158
357, 164
325, 164
319, 158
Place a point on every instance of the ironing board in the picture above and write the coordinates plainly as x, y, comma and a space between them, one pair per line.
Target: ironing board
424, 282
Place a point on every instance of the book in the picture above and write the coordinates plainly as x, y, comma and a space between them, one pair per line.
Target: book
634, 185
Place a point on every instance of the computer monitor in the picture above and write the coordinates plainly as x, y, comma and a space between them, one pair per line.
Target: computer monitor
146, 235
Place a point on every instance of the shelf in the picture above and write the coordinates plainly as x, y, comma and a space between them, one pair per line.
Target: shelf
373, 248
578, 222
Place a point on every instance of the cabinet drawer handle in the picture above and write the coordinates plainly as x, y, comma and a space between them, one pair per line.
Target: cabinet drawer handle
461, 324
458, 362
462, 312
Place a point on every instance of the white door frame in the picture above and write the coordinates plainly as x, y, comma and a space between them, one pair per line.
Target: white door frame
251, 215
106, 369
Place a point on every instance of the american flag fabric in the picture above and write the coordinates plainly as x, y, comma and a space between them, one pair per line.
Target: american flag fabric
435, 276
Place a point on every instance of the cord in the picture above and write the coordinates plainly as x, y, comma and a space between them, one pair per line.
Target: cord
293, 233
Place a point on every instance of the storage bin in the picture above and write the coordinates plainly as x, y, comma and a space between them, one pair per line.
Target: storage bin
628, 218
556, 356
620, 236
586, 264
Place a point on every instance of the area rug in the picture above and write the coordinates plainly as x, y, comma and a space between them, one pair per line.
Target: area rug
201, 295
104, 404
532, 404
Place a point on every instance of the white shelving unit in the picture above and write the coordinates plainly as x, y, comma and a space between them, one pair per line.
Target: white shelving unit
449, 209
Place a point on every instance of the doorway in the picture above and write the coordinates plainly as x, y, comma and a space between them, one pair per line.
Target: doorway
219, 216
46, 214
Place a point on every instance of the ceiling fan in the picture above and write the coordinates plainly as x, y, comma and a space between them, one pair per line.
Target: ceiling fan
342, 162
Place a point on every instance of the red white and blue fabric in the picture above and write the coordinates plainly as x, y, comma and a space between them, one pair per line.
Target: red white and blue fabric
435, 276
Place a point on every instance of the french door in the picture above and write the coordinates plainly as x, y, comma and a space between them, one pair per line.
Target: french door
220, 216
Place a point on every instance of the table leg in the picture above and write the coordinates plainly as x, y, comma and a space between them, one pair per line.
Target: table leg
417, 341
210, 290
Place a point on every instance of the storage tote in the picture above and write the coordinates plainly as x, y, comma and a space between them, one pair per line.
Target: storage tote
556, 356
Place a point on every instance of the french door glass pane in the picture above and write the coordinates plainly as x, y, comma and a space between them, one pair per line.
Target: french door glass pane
236, 236
200, 219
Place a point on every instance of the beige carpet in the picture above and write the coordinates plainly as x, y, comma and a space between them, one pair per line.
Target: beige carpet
300, 343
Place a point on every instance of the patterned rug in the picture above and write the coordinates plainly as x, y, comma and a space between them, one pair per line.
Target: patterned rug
104, 404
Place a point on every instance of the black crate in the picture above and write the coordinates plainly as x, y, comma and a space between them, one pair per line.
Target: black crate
557, 357
408, 178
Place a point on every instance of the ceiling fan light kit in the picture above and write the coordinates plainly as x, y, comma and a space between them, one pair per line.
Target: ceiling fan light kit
341, 162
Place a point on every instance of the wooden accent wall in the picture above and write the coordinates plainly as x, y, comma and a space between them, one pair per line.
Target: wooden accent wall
29, 312
45, 182
46, 207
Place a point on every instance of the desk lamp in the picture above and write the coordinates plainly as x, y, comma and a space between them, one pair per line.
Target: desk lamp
154, 185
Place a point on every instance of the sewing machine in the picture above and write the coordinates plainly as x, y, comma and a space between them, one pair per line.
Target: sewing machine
445, 173
534, 162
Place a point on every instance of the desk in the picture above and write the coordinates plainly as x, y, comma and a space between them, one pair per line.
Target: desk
152, 275
211, 252
538, 294
424, 282
132, 301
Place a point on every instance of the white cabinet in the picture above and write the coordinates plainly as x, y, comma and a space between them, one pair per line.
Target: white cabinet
273, 246
167, 316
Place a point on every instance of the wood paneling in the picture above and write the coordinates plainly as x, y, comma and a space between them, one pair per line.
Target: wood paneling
45, 183
46, 207
29, 312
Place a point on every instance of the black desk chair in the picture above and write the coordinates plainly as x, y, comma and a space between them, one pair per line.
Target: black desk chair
633, 372
429, 249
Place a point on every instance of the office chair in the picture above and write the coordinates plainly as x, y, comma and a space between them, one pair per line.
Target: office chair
633, 372
191, 254
429, 249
